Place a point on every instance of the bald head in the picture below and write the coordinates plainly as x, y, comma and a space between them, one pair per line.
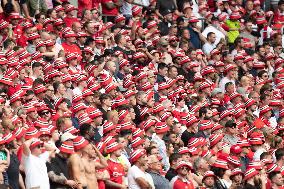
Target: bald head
76, 27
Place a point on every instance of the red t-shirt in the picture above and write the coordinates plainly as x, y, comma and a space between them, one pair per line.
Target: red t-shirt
84, 4
69, 21
105, 10
23, 41
116, 172
96, 3
73, 48
180, 184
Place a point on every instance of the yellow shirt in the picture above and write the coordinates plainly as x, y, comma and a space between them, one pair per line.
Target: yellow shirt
232, 35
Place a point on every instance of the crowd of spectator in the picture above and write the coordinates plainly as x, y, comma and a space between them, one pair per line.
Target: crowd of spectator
141, 94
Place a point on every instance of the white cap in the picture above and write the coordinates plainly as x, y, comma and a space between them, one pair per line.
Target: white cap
67, 136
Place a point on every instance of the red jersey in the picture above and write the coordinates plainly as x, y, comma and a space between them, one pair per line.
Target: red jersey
69, 21
73, 48
18, 31
116, 172
23, 41
105, 10
96, 3
84, 4
181, 183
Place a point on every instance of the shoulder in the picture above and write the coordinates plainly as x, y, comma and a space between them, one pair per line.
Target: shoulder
73, 158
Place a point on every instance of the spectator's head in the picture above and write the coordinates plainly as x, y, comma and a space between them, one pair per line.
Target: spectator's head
37, 69
76, 27
163, 69
154, 164
211, 37
276, 178
89, 27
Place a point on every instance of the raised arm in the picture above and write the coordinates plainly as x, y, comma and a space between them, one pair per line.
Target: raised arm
103, 162
26, 146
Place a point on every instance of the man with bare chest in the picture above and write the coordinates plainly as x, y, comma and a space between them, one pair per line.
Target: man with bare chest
76, 165
90, 164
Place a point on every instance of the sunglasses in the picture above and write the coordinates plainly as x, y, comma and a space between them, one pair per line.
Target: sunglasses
45, 113
40, 146
185, 168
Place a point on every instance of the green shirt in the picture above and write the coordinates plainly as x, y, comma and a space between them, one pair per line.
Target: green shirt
3, 155
232, 35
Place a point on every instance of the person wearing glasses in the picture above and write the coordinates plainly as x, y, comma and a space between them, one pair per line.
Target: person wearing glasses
181, 181
35, 164
154, 169
231, 131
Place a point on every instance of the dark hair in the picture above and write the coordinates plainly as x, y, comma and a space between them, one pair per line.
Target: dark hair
48, 12
265, 88
162, 66
85, 25
149, 149
261, 72
281, 2
209, 34
28, 92
56, 86
248, 20
124, 133
84, 12
38, 81
279, 153
202, 110
228, 84
104, 96
237, 41
85, 128
36, 65
273, 174
219, 172
263, 155
7, 42
37, 16
117, 38
88, 41
174, 157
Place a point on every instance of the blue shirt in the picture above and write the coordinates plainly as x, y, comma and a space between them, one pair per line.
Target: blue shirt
194, 38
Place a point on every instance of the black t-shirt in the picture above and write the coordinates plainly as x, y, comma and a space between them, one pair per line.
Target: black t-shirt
249, 186
13, 171
58, 165
171, 174
165, 7
186, 136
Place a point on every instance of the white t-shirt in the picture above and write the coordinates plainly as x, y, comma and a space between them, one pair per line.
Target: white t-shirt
133, 173
218, 33
36, 171
207, 48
